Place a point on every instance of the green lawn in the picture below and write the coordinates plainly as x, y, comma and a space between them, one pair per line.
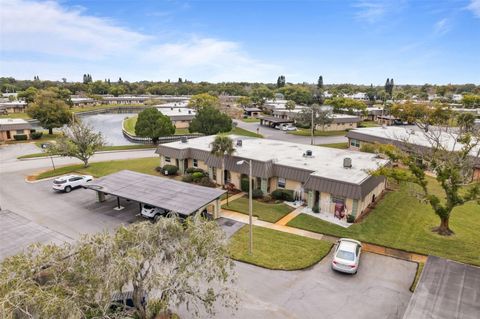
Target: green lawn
273, 249
141, 165
264, 211
307, 132
401, 221
342, 146
368, 124
243, 132
250, 120
105, 148
15, 116
417, 276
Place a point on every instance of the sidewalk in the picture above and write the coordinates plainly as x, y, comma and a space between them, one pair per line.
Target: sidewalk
281, 226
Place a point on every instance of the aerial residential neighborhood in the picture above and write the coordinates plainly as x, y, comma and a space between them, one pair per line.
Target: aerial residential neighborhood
239, 159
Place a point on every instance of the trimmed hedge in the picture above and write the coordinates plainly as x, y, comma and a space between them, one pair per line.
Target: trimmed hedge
192, 170
169, 170
257, 193
283, 194
197, 176
36, 135
244, 185
20, 137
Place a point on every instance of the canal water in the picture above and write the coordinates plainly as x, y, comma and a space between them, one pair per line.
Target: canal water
110, 125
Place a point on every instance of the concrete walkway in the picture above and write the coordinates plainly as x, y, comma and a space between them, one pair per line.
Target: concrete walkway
287, 218
281, 226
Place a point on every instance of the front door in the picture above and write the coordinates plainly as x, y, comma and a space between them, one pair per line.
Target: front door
185, 164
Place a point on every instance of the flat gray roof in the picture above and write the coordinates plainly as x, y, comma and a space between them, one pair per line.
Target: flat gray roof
446, 290
18, 232
175, 196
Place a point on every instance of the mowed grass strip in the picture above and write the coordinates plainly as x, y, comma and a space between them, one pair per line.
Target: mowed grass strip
264, 211
105, 148
277, 250
240, 131
342, 146
307, 132
99, 169
402, 221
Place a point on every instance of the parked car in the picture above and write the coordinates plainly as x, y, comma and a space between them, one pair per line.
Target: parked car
346, 256
152, 212
69, 182
289, 128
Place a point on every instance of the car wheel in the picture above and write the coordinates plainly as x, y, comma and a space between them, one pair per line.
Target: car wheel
68, 189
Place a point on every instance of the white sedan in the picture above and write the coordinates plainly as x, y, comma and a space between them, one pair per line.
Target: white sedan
346, 257
289, 128
69, 182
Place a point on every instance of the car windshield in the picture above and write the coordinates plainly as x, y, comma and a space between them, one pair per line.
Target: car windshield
59, 181
347, 255
147, 206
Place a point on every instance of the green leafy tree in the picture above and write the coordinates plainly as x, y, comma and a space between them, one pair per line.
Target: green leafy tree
50, 110
451, 156
290, 105
346, 105
260, 94
222, 146
244, 101
210, 121
173, 263
28, 95
281, 81
312, 117
296, 93
116, 90
153, 124
203, 100
471, 101
79, 140
371, 93
320, 83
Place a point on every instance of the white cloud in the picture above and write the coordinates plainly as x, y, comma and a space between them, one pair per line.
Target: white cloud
442, 26
474, 6
372, 11
70, 42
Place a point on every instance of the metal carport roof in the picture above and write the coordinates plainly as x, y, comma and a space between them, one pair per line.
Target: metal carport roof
175, 196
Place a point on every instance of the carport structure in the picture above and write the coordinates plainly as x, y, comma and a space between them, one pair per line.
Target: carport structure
179, 197
272, 121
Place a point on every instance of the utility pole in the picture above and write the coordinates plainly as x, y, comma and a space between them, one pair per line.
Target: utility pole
312, 128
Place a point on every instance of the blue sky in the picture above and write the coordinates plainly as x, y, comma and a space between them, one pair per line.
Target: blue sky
359, 42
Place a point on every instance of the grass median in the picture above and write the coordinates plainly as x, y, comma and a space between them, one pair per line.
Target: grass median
277, 250
264, 211
402, 221
99, 169
307, 132
105, 148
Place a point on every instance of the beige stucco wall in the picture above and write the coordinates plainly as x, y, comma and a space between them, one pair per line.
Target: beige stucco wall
337, 126
181, 124
363, 204
476, 174
163, 162
3, 134
293, 185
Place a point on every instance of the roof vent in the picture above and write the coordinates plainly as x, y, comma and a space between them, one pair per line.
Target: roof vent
171, 108
184, 139
179, 110
189, 111
347, 162
308, 153
239, 143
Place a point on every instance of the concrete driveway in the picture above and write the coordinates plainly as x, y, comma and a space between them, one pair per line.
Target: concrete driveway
274, 134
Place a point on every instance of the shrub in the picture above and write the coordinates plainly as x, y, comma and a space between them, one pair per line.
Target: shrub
350, 218
192, 170
36, 135
205, 181
367, 148
267, 198
187, 178
244, 184
197, 176
283, 194
169, 170
315, 209
257, 193
20, 137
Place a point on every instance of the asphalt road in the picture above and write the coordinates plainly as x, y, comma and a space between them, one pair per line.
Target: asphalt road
274, 134
379, 290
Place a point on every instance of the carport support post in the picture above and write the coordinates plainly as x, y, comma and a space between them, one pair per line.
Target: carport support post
100, 197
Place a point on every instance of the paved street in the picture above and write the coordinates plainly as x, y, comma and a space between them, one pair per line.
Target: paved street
379, 290
274, 134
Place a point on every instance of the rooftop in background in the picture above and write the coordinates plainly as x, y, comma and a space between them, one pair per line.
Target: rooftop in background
175, 196
411, 134
325, 162
177, 111
9, 121
447, 289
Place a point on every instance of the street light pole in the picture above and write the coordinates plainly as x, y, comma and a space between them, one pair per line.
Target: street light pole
250, 206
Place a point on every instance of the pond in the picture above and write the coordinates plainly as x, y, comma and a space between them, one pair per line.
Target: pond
110, 125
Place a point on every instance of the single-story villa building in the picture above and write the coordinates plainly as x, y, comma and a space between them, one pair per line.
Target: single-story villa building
11, 127
252, 111
334, 181
340, 122
84, 101
13, 107
180, 116
404, 137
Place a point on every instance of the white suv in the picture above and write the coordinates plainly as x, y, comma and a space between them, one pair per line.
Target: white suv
69, 182
149, 211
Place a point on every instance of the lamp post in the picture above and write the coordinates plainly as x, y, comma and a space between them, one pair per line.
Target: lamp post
250, 202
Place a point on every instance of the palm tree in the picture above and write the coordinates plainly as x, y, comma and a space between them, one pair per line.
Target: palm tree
221, 146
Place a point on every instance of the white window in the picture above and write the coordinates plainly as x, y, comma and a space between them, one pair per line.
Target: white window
195, 163
167, 159
354, 143
281, 182
338, 200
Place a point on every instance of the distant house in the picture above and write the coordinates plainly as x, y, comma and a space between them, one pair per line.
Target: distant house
180, 116
403, 137
332, 181
9, 128
252, 111
340, 122
12, 107
84, 101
